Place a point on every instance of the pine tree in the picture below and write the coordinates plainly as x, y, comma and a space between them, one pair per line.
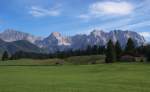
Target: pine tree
130, 47
110, 53
101, 50
5, 56
95, 49
148, 56
118, 50
146, 50
89, 50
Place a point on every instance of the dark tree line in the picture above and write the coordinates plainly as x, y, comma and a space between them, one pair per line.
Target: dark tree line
113, 52
5, 56
90, 50
30, 55
144, 50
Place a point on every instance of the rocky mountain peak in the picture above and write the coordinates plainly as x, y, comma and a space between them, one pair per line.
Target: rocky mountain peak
56, 41
55, 34
97, 32
10, 35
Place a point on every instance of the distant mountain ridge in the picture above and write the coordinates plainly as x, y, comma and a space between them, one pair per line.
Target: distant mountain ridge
56, 42
99, 37
20, 45
11, 35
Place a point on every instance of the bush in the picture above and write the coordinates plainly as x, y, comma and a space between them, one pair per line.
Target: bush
93, 62
59, 63
128, 58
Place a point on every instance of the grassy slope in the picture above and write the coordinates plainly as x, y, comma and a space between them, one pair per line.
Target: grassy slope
27, 62
78, 60
70, 60
118, 77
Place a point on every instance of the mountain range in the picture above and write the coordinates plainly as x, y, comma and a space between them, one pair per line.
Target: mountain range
12, 40
20, 45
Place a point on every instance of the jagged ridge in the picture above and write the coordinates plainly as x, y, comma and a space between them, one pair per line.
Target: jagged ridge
55, 41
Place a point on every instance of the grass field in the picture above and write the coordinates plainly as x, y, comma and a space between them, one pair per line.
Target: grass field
117, 77
76, 60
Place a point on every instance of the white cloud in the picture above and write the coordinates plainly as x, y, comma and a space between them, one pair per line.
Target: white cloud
41, 12
117, 8
110, 8
145, 34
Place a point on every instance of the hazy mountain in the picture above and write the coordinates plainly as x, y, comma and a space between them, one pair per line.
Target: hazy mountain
20, 45
98, 37
10, 35
55, 41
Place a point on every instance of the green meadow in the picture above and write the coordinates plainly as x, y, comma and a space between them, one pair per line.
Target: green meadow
44, 76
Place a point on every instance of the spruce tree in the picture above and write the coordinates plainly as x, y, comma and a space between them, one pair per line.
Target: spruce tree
148, 56
101, 50
95, 49
130, 47
110, 53
89, 50
5, 56
146, 51
118, 50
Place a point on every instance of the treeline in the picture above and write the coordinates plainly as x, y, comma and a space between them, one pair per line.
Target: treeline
90, 50
145, 50
113, 52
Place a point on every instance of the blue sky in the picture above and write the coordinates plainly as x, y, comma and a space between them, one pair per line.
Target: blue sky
41, 17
